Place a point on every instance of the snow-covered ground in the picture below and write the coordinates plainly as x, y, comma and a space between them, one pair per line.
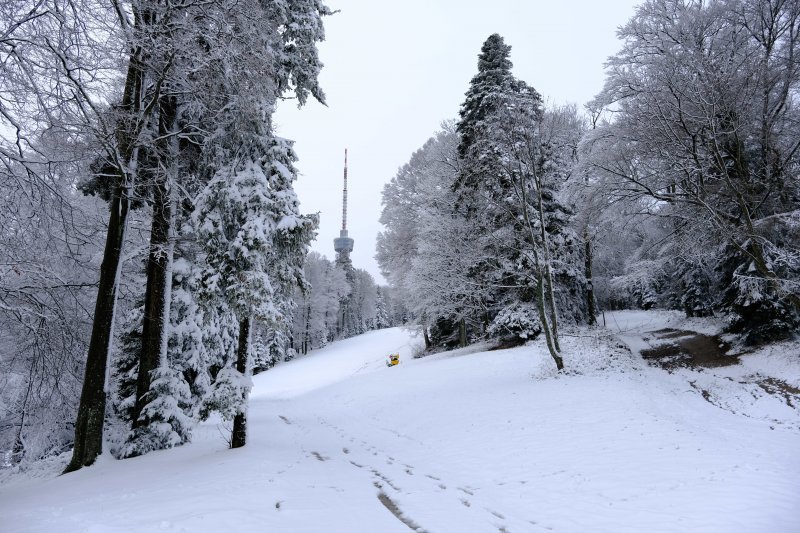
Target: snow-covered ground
464, 441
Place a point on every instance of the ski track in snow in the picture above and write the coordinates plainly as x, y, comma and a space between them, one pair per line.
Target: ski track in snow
463, 441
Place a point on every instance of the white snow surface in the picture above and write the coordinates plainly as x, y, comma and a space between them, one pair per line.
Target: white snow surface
463, 441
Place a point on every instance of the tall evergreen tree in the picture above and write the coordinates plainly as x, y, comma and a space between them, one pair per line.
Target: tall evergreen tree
222, 125
255, 241
509, 173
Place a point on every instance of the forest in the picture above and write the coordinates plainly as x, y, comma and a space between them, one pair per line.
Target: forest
676, 188
155, 257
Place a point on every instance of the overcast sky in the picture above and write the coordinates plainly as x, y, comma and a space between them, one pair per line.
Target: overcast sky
395, 70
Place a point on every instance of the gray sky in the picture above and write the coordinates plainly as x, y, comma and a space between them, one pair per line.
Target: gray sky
394, 71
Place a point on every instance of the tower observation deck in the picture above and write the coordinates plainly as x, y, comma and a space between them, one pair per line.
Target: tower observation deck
343, 244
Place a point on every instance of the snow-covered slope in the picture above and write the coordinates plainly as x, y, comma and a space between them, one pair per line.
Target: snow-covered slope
465, 441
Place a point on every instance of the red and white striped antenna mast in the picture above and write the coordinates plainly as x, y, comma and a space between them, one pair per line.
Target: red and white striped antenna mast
343, 244
344, 195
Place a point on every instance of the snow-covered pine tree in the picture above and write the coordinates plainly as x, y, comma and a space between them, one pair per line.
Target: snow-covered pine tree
254, 241
482, 185
273, 343
511, 170
382, 319
363, 301
122, 387
223, 122
317, 308
198, 338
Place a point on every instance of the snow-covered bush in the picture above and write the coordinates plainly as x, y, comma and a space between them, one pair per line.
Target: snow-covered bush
166, 423
226, 398
516, 322
696, 296
756, 311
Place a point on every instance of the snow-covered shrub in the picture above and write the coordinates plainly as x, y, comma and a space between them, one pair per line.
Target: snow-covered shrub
762, 309
518, 321
269, 348
444, 333
228, 395
696, 298
756, 312
165, 423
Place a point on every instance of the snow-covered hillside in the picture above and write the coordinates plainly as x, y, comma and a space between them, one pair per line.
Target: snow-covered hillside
464, 441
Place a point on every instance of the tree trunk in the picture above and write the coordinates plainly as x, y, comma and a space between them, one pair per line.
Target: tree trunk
426, 337
239, 434
548, 334
156, 301
548, 273
590, 303
159, 262
543, 272
92, 408
307, 336
462, 333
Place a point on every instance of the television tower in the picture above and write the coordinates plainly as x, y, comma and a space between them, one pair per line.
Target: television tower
343, 244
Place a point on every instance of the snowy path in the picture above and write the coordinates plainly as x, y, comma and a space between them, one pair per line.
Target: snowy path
466, 441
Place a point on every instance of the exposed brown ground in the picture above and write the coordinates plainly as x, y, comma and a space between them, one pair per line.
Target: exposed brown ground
696, 350
690, 349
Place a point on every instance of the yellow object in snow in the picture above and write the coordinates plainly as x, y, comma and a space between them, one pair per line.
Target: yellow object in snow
393, 359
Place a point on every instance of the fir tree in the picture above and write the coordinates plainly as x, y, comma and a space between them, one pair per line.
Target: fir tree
382, 319
509, 174
255, 241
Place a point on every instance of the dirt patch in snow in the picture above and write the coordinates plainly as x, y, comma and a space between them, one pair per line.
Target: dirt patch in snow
689, 349
776, 387
696, 350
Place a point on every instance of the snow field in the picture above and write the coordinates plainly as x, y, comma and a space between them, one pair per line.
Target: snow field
462, 441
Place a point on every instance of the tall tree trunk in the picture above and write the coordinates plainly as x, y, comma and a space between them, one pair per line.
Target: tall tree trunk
462, 332
548, 272
307, 336
590, 303
548, 334
156, 302
239, 434
159, 260
91, 410
543, 276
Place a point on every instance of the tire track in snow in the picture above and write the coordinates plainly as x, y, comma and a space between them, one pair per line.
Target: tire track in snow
395, 510
384, 481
